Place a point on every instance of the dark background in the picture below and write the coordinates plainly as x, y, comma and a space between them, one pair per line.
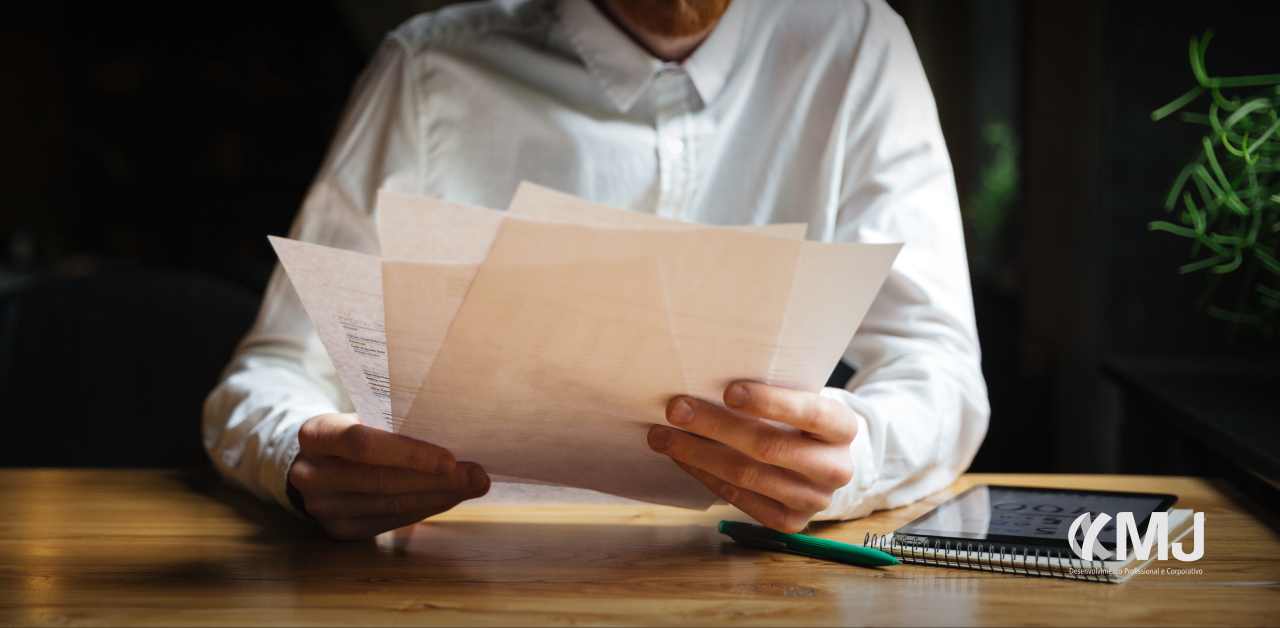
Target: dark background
156, 148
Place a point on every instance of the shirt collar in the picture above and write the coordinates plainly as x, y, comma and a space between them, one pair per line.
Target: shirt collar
711, 62
624, 69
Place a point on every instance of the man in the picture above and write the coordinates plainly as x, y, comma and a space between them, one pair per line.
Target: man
755, 112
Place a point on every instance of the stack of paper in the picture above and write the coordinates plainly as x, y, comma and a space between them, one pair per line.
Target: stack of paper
544, 341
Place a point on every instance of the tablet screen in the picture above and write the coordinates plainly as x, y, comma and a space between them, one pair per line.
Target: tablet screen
1032, 516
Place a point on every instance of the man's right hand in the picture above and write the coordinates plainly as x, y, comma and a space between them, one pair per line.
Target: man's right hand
358, 481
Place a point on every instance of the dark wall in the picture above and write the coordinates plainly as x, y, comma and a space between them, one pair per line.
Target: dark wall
175, 137
1148, 309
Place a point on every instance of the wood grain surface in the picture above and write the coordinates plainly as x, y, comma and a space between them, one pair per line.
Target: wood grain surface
155, 547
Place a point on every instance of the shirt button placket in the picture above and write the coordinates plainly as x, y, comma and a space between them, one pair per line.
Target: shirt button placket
675, 146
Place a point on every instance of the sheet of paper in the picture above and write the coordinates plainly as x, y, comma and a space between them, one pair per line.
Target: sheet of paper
805, 350
541, 203
572, 339
342, 293
432, 249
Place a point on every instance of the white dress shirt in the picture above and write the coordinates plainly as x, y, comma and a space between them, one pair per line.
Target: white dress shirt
806, 111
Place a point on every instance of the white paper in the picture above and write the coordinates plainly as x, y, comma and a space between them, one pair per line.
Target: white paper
432, 250
616, 319
539, 203
573, 338
343, 297
342, 293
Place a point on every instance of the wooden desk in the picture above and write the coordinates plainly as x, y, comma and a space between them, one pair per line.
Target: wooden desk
174, 548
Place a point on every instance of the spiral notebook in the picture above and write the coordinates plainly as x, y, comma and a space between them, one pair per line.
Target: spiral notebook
1023, 531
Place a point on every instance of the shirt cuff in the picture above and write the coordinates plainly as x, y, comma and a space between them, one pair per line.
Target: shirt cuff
275, 474
850, 501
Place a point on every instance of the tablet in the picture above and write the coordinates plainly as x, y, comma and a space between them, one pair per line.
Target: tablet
1019, 516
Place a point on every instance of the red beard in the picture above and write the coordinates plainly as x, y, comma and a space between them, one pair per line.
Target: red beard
672, 18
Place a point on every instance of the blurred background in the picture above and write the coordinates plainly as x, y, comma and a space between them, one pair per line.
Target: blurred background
148, 152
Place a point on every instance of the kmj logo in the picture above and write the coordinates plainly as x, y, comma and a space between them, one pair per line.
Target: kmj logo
1126, 529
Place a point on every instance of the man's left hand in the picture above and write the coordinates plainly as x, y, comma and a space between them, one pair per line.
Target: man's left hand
779, 477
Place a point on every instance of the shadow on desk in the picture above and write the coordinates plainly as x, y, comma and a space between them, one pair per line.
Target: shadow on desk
1243, 500
276, 524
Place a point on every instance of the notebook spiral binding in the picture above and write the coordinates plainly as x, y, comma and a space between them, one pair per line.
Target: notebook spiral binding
1056, 564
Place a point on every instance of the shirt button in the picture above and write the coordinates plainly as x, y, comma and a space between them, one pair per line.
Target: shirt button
673, 146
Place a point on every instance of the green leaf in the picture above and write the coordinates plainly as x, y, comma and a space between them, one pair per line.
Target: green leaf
1244, 81
1194, 212
1275, 294
1193, 118
1232, 149
1160, 225
1226, 268
1253, 230
1252, 192
1271, 303
1204, 263
1229, 105
1268, 262
1235, 317
1244, 110
1178, 103
1266, 136
1204, 43
1204, 177
1229, 194
1204, 184
1177, 187
1197, 65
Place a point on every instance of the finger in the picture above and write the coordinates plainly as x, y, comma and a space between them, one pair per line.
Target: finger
817, 416
343, 435
364, 528
739, 470
337, 475
356, 505
757, 439
767, 511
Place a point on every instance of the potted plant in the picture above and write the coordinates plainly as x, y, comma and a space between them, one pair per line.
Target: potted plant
1228, 197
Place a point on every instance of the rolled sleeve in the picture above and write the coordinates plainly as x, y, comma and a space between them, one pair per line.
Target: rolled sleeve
918, 392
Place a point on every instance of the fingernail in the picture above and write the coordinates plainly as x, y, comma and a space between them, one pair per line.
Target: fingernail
445, 465
658, 438
476, 477
735, 396
681, 413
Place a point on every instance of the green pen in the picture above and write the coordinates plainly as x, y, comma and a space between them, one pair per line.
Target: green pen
764, 538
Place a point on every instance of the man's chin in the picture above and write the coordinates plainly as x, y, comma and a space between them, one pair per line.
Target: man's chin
672, 18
